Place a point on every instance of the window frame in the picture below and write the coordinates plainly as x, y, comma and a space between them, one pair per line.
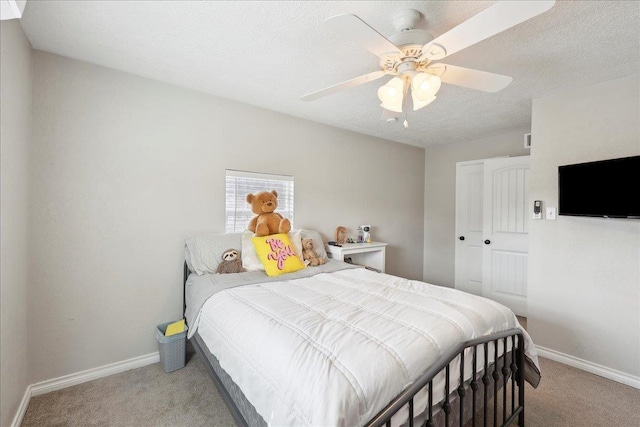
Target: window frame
239, 183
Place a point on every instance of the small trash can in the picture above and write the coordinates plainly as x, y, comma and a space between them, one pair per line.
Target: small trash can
172, 349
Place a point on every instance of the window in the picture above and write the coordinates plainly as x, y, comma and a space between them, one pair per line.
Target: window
240, 183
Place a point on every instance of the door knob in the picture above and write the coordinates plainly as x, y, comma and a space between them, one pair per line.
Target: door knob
461, 237
487, 242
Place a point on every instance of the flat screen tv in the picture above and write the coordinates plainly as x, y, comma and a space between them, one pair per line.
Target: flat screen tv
607, 188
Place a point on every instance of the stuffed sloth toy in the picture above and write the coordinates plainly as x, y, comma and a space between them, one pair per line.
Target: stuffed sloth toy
231, 262
309, 255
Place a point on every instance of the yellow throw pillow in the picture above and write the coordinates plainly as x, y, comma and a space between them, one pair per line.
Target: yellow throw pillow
277, 254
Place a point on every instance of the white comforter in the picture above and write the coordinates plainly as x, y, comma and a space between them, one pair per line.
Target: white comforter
335, 348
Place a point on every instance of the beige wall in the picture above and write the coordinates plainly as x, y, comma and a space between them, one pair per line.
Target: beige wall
584, 273
15, 137
124, 168
440, 188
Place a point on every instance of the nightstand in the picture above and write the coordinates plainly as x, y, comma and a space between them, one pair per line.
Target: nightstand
368, 254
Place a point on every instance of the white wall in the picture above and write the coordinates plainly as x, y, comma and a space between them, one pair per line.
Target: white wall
15, 137
584, 273
124, 168
440, 187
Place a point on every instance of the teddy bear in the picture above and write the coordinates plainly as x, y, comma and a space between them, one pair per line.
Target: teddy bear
309, 255
231, 262
266, 222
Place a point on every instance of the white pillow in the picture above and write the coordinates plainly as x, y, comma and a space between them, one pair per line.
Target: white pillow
250, 259
203, 252
318, 244
296, 240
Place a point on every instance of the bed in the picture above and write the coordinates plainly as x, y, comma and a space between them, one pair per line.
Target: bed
342, 345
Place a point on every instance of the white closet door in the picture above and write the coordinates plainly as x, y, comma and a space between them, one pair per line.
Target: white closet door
469, 191
505, 232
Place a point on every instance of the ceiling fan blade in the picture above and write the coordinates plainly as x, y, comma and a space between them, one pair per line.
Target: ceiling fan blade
353, 28
497, 18
466, 77
344, 85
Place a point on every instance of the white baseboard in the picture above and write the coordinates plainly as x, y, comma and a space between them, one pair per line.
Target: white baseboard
93, 374
22, 409
594, 368
79, 378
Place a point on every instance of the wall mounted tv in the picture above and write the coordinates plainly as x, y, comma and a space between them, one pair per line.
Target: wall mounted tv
607, 188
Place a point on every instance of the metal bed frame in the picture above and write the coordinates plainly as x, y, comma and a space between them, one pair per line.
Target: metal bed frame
492, 376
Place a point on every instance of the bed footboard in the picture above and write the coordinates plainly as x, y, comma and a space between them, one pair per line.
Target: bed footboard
483, 386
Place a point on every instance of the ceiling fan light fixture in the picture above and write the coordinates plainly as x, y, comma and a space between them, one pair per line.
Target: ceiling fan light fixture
418, 103
424, 86
395, 108
391, 95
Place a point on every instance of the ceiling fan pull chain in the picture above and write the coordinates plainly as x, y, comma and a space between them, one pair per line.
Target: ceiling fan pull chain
405, 101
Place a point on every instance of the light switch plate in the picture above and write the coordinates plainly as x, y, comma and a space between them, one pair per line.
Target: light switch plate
551, 213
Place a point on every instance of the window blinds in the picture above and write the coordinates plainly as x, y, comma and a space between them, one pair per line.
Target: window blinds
240, 183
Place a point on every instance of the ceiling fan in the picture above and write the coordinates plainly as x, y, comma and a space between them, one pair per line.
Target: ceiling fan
409, 55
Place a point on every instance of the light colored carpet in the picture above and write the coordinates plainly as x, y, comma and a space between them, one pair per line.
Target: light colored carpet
568, 396
187, 397
143, 397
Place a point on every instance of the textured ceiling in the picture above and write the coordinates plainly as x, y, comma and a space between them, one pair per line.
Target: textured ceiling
270, 53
